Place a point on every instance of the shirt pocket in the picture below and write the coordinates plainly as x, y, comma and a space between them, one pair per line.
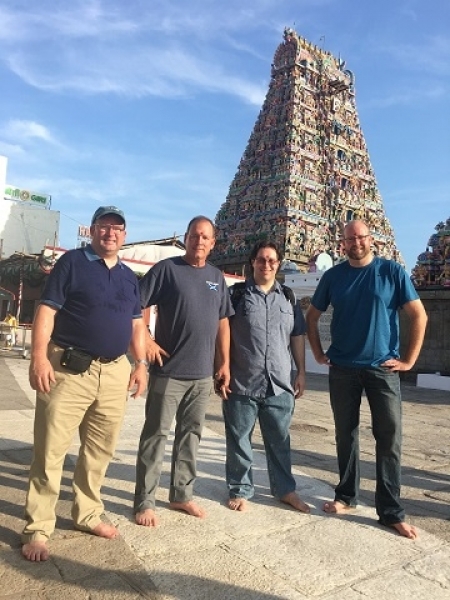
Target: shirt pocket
254, 312
286, 310
286, 316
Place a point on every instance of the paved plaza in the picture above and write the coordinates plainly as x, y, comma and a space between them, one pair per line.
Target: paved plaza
270, 552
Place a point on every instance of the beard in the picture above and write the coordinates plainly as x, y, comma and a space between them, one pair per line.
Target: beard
356, 253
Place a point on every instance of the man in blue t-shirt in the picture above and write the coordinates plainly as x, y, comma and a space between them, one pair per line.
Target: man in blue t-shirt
192, 328
366, 292
89, 315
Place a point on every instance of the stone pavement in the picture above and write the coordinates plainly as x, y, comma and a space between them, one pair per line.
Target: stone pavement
268, 553
425, 456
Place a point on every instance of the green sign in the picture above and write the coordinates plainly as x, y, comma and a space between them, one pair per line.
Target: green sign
13, 193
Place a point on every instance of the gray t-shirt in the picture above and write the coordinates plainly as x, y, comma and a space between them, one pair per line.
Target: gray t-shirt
190, 302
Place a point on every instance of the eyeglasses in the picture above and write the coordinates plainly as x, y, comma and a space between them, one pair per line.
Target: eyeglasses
270, 261
359, 238
106, 227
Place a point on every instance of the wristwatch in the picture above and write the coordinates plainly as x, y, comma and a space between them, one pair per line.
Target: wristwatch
142, 361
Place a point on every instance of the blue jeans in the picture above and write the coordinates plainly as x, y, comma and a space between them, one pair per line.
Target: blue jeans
274, 414
382, 388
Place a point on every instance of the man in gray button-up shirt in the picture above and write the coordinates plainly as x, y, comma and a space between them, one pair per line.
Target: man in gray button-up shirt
266, 332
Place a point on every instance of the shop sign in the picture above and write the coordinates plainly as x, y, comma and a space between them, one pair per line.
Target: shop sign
84, 231
19, 195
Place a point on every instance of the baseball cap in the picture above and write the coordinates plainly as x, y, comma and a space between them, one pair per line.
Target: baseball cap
107, 210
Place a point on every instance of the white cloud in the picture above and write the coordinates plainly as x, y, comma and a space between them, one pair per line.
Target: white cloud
47, 20
410, 97
136, 72
7, 149
430, 55
27, 129
94, 47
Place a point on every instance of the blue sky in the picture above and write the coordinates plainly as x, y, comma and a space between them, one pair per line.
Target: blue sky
149, 104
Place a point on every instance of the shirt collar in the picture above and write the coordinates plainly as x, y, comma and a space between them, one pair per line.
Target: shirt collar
92, 255
251, 283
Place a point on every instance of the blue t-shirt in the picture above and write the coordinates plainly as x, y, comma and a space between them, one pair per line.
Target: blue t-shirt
365, 301
95, 304
190, 302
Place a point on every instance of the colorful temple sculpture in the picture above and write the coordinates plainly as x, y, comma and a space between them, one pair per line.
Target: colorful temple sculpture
306, 169
432, 269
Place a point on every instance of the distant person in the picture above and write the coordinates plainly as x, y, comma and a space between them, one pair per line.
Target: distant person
11, 321
267, 328
193, 307
366, 292
88, 315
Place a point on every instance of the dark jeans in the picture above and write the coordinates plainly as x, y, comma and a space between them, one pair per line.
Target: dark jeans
274, 414
382, 388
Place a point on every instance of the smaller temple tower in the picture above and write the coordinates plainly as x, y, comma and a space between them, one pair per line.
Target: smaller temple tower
432, 269
306, 169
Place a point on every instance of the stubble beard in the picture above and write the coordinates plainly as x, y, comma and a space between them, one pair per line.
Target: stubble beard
358, 253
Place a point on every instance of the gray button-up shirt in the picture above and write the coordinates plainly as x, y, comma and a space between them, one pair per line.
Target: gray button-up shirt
260, 342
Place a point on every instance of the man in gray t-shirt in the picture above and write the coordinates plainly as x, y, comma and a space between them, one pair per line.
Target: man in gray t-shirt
192, 329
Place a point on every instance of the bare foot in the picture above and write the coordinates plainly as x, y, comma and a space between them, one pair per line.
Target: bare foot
190, 507
337, 508
408, 531
296, 502
147, 518
105, 530
239, 504
35, 551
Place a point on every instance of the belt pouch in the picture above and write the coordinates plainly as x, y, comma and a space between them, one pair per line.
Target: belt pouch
75, 360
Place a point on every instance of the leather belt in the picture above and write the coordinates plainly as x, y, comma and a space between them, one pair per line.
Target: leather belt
101, 359
104, 360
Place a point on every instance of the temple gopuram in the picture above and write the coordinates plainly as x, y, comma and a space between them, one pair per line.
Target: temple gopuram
432, 269
306, 170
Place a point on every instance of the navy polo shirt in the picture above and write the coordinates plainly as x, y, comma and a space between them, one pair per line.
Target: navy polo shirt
96, 304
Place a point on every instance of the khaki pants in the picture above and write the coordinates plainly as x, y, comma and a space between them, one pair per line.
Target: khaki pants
94, 403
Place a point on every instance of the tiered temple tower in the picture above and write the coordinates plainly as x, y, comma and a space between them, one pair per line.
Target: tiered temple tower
432, 269
306, 170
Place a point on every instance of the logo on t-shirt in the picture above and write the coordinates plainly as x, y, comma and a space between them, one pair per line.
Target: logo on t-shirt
213, 285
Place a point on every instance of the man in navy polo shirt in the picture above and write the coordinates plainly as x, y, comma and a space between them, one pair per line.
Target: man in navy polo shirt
88, 317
